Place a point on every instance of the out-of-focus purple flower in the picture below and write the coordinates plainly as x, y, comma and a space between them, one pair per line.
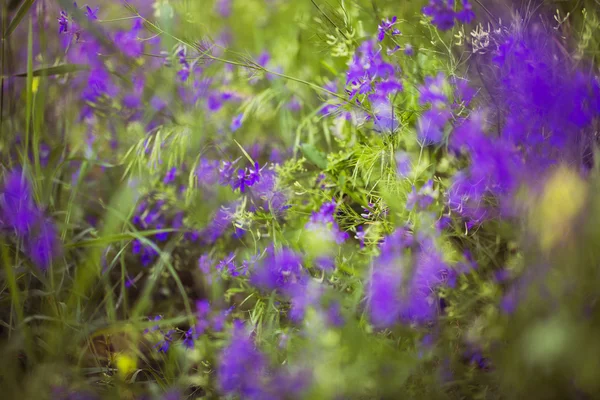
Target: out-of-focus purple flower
18, 208
226, 172
278, 270
63, 22
44, 244
218, 225
408, 50
91, 14
443, 15
396, 294
172, 394
323, 221
207, 172
387, 26
164, 345
128, 41
294, 104
184, 72
422, 199
189, 337
433, 90
360, 236
236, 122
367, 67
242, 367
170, 176
334, 315
303, 297
325, 263
403, 164
155, 327
157, 103
385, 120
431, 125
223, 8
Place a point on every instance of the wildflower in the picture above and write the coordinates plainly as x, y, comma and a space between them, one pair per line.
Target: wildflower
226, 172
303, 297
223, 8
279, 270
184, 72
387, 26
365, 69
170, 176
324, 222
17, 206
360, 236
430, 127
241, 366
63, 22
189, 337
334, 315
395, 294
443, 15
403, 164
44, 244
236, 123
207, 172
164, 345
128, 41
91, 14
421, 199
408, 50
433, 90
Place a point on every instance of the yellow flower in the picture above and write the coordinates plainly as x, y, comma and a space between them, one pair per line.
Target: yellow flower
126, 364
563, 198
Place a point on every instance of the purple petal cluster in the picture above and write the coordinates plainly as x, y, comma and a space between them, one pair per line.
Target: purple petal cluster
324, 221
443, 14
19, 213
280, 269
368, 72
430, 126
397, 293
387, 26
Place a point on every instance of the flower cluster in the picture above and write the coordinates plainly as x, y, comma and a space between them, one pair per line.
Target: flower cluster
20, 214
443, 15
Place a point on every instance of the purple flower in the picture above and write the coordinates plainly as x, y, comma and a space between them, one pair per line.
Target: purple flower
17, 206
241, 369
443, 15
403, 164
366, 68
226, 172
223, 8
334, 315
189, 337
397, 294
422, 199
386, 26
170, 176
207, 172
164, 345
430, 127
63, 22
279, 270
236, 122
44, 244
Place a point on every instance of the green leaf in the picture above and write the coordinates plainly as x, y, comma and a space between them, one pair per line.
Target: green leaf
18, 17
313, 155
56, 70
